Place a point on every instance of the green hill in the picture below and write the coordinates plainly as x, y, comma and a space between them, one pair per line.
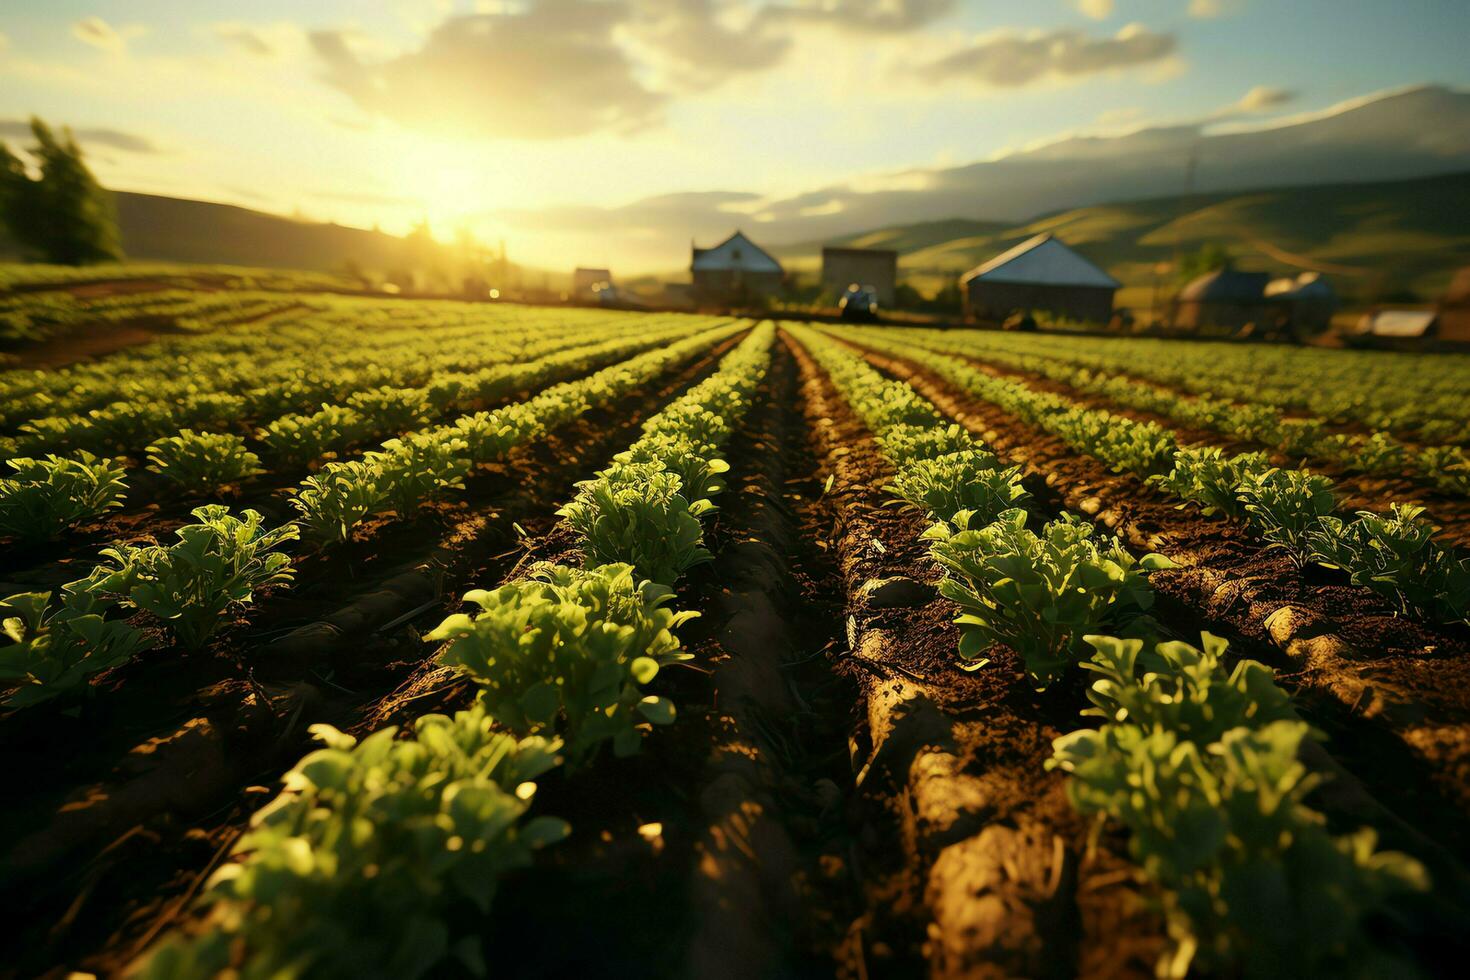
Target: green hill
1388, 241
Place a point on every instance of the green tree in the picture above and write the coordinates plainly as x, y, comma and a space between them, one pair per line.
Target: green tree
62, 214
1211, 256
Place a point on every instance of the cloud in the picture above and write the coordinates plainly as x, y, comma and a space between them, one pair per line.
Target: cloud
1012, 60
1211, 9
864, 15
246, 38
1096, 9
20, 129
100, 34
696, 47
1264, 97
546, 71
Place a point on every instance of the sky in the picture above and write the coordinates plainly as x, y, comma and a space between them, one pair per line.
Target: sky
496, 115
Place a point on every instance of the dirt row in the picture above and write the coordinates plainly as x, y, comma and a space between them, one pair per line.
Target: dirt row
1357, 491
123, 808
997, 875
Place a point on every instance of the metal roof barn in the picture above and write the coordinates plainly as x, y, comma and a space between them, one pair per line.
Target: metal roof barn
1041, 273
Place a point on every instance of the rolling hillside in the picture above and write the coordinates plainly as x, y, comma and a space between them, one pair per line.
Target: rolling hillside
1392, 240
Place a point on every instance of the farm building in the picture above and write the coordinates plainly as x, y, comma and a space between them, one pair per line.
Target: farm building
1401, 325
876, 267
1454, 309
1041, 273
1225, 299
587, 283
1304, 303
735, 271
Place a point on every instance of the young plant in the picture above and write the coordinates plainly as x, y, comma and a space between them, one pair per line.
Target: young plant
492, 435
214, 567
370, 855
1039, 595
419, 467
46, 496
334, 501
970, 480
1202, 768
296, 440
201, 462
902, 443
1396, 556
1207, 477
638, 514
1283, 506
57, 647
566, 652
695, 463
388, 410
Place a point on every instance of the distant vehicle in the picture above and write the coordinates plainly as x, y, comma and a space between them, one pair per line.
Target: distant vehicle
859, 303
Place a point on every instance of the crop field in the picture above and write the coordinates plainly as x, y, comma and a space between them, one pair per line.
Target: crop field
354, 636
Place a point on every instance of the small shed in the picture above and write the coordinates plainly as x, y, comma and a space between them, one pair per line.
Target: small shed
876, 267
588, 283
1225, 300
1304, 303
1041, 273
735, 271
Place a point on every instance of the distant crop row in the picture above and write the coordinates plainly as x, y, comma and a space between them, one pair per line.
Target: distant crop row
1445, 467
1420, 396
1394, 554
1197, 760
218, 563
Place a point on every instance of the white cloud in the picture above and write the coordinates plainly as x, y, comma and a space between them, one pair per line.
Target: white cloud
100, 34
1096, 9
1210, 9
1009, 60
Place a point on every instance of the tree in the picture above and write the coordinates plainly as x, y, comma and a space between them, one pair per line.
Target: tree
1211, 256
62, 213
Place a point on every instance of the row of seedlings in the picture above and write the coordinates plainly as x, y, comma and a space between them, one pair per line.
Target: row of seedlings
1197, 760
379, 856
60, 642
1395, 554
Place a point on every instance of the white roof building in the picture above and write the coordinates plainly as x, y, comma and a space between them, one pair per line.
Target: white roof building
1041, 261
1398, 323
735, 254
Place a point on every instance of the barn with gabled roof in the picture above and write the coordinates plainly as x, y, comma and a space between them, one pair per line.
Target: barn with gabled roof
1040, 274
735, 271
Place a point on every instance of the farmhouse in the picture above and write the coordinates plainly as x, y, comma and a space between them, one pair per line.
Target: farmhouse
1225, 300
735, 271
876, 267
1041, 273
587, 283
